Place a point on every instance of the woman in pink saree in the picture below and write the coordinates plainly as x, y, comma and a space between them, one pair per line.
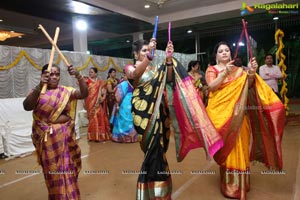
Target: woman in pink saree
53, 132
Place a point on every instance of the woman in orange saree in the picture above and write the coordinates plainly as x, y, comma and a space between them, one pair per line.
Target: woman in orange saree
242, 107
95, 104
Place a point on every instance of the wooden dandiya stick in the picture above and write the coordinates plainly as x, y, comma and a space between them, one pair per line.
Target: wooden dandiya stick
53, 44
51, 58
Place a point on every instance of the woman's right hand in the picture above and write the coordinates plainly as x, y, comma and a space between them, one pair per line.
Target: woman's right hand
152, 44
169, 49
45, 77
230, 66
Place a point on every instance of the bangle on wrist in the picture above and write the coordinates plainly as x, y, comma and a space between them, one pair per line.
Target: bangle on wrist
225, 72
169, 63
38, 88
80, 77
149, 56
250, 74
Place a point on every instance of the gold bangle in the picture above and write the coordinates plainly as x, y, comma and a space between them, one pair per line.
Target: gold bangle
80, 77
225, 73
250, 74
169, 64
38, 88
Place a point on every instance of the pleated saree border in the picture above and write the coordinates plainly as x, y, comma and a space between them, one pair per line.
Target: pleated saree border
155, 190
235, 185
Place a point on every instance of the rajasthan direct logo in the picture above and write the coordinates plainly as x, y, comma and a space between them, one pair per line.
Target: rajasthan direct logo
246, 9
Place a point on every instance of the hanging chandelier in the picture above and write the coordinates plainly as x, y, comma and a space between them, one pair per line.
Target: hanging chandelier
8, 34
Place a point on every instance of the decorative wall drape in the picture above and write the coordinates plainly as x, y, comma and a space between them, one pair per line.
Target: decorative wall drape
20, 67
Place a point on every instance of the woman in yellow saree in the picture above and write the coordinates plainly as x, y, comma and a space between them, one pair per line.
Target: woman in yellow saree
242, 106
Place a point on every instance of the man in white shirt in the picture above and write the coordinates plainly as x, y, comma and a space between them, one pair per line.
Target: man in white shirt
270, 73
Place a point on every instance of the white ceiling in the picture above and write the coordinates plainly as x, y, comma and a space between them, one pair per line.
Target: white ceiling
181, 13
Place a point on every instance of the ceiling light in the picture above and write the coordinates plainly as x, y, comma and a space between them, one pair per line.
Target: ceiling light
81, 8
275, 18
147, 6
1, 20
88, 52
241, 44
128, 41
81, 25
189, 31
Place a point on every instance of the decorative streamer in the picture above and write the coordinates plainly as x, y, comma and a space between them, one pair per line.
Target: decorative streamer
23, 53
281, 57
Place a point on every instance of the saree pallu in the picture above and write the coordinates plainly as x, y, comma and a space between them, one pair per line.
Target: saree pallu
111, 100
56, 147
98, 128
123, 128
232, 109
193, 129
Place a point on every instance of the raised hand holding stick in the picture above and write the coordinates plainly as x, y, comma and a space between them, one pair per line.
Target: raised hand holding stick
51, 57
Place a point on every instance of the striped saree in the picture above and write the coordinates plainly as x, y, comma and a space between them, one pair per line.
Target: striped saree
240, 113
56, 147
153, 100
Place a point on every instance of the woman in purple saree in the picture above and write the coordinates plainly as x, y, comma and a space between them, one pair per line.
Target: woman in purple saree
53, 132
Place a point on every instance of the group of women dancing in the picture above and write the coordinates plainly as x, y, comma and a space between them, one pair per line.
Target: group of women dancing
144, 105
241, 108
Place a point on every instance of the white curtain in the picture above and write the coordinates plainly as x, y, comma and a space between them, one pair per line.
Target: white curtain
23, 75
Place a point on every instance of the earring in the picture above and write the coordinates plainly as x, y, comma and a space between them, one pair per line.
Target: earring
135, 56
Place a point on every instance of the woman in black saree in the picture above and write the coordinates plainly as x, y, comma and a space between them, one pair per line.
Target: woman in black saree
157, 90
